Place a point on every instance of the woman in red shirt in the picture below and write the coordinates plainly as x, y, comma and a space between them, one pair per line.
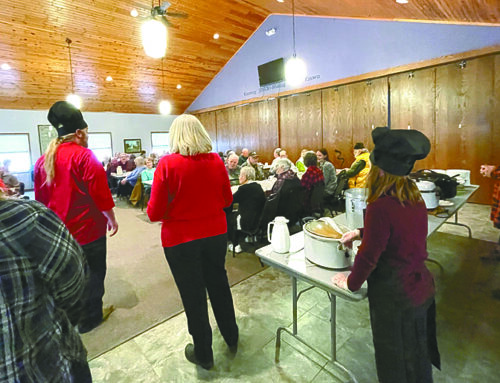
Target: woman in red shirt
391, 258
190, 191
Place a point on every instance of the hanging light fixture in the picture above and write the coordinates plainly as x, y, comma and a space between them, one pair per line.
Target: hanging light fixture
164, 106
72, 98
154, 34
295, 67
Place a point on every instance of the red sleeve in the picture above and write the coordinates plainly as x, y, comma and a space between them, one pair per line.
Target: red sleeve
158, 202
94, 177
375, 238
227, 194
41, 192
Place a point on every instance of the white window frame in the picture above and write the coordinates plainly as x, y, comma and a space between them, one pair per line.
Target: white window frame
109, 148
26, 150
159, 150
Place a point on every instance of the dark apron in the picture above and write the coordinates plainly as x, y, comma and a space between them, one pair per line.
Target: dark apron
404, 336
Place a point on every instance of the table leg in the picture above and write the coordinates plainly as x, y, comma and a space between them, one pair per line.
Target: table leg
456, 223
294, 304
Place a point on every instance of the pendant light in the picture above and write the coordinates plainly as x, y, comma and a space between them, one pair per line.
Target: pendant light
72, 98
154, 35
164, 106
295, 67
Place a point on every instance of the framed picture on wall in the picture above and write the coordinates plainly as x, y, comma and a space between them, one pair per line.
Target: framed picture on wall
132, 145
46, 133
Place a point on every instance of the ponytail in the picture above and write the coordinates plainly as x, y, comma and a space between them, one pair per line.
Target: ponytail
50, 156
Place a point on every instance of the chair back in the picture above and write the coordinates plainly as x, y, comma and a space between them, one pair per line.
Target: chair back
291, 200
336, 202
270, 211
317, 195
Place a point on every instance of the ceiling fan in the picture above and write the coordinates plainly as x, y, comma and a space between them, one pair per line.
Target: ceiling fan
159, 12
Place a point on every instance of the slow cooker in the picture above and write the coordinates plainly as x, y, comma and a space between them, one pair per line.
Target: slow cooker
429, 194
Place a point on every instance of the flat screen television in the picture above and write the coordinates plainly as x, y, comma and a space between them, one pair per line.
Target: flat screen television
271, 72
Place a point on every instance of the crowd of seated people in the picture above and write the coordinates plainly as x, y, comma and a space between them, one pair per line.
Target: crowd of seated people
10, 184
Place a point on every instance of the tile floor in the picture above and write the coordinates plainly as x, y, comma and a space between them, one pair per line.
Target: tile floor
263, 304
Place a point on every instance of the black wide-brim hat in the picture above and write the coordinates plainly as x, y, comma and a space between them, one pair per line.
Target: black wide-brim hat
396, 150
66, 118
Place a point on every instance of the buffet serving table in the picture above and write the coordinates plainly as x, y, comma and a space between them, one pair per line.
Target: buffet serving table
295, 264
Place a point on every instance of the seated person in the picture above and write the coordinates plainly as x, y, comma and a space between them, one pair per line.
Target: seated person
250, 199
253, 161
311, 178
281, 155
328, 172
148, 173
243, 157
283, 172
127, 184
12, 184
233, 169
358, 172
301, 168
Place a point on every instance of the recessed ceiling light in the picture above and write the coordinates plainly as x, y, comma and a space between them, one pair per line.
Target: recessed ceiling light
5, 66
216, 36
109, 78
280, 1
165, 107
134, 13
402, 1
179, 86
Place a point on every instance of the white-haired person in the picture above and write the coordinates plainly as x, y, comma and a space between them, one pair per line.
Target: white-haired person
70, 180
189, 193
127, 184
250, 198
284, 172
233, 169
43, 273
243, 156
392, 259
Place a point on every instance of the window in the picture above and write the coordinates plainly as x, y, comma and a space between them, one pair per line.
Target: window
159, 142
101, 145
16, 148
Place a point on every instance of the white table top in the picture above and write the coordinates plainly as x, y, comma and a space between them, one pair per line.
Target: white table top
266, 184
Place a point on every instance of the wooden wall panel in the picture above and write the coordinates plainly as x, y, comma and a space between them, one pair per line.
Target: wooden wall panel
253, 126
337, 125
300, 123
413, 104
209, 122
464, 119
495, 153
370, 109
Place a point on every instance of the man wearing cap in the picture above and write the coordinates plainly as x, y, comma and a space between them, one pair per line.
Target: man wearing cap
358, 172
392, 259
253, 161
71, 181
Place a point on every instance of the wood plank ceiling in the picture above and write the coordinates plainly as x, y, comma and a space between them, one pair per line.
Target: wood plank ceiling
106, 42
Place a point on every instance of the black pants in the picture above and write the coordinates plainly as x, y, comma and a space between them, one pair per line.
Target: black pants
124, 190
95, 252
80, 372
198, 267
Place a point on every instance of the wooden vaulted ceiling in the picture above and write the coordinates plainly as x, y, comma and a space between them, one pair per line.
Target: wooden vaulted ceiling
106, 42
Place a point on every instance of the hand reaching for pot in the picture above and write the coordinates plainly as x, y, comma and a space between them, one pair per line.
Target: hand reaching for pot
349, 237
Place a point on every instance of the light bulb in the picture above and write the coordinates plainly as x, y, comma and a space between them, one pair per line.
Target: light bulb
216, 36
154, 38
179, 86
295, 71
5, 66
75, 100
134, 13
109, 78
165, 107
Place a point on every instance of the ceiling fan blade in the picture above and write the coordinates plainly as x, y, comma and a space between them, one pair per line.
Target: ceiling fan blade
174, 14
164, 6
166, 22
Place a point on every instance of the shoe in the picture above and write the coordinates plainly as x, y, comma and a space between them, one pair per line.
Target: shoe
233, 348
238, 249
106, 312
230, 247
189, 354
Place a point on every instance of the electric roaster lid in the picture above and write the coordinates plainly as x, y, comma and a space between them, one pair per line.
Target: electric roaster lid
322, 229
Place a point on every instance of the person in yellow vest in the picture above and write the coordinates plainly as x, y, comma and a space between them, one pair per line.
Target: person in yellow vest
358, 172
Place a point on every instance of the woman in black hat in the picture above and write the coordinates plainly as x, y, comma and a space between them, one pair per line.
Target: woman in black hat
391, 258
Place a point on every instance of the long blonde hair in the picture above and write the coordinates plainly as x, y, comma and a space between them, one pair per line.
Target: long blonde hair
188, 136
381, 183
50, 156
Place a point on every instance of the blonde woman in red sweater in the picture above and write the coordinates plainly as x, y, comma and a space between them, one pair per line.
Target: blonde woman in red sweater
190, 191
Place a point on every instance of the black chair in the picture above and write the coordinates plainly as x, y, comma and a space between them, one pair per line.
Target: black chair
268, 214
313, 205
291, 201
336, 202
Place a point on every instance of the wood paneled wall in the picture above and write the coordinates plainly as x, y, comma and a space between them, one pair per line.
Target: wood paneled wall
253, 126
300, 123
456, 106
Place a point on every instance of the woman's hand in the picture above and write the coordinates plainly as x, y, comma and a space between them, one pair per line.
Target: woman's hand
123, 181
349, 237
340, 280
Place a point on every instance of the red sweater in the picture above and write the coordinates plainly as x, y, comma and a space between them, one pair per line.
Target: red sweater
398, 235
188, 195
78, 194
